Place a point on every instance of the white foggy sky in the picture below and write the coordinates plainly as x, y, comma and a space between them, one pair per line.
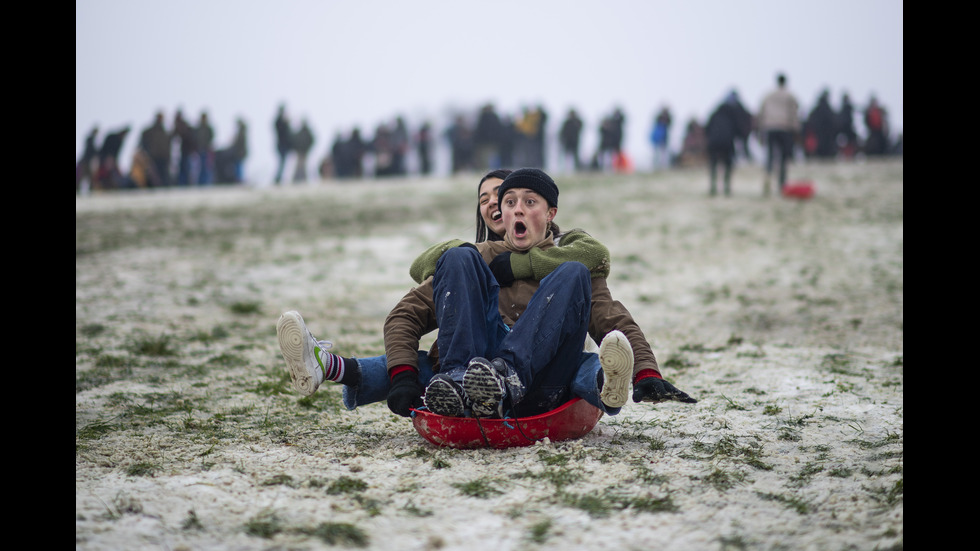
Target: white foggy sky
359, 63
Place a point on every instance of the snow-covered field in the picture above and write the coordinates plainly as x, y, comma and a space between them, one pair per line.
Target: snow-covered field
785, 319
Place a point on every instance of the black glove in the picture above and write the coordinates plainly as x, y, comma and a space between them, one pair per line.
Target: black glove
405, 393
655, 390
502, 272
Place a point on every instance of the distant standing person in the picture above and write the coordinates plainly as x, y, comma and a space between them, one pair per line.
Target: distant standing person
569, 136
284, 141
302, 143
205, 151
659, 138
188, 160
725, 126
876, 122
423, 143
778, 123
156, 140
84, 170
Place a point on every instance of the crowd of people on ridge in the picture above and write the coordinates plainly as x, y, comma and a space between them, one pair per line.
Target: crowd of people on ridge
185, 154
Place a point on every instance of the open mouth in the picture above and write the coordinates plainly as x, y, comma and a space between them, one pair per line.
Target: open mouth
496, 215
520, 229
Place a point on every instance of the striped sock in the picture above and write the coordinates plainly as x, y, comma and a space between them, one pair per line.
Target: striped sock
341, 370
333, 367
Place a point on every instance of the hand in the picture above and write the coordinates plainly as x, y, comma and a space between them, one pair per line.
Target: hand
405, 393
502, 272
656, 390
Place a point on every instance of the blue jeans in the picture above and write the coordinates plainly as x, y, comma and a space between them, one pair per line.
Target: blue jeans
545, 345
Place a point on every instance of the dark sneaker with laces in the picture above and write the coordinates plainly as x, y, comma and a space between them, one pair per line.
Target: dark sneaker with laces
444, 396
484, 386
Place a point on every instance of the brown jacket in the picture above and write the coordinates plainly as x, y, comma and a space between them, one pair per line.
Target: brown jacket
414, 315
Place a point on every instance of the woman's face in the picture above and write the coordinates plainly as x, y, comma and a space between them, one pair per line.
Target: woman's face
526, 217
489, 209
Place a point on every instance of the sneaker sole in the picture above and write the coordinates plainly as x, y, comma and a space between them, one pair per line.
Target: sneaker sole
442, 399
484, 388
616, 359
294, 344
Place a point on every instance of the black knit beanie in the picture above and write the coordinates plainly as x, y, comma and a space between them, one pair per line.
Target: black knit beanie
532, 179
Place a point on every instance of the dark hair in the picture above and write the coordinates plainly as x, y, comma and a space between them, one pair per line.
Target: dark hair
482, 232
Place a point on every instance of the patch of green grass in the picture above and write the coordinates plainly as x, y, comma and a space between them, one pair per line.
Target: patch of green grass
732, 404
339, 533
649, 504
91, 330
277, 385
158, 346
889, 495
559, 477
789, 434
191, 522
679, 361
245, 307
481, 488
891, 438
549, 458
772, 410
324, 400
793, 502
653, 443
646, 476
279, 480
142, 469
264, 525
806, 474
728, 447
733, 543
595, 506
95, 430
414, 510
841, 472
346, 485
724, 480
226, 359
538, 532
838, 363
108, 369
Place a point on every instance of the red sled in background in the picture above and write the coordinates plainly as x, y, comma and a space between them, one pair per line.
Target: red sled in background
800, 189
573, 419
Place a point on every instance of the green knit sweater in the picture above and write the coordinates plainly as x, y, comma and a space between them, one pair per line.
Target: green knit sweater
573, 245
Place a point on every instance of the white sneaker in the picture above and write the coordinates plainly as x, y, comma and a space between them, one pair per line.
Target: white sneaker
616, 359
302, 353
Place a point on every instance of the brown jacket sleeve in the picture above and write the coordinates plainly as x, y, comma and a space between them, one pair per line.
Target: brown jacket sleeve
609, 314
411, 319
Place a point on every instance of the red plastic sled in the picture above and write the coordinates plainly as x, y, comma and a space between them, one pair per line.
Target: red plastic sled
802, 189
571, 420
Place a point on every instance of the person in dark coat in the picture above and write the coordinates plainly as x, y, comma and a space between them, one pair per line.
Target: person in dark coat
302, 142
84, 171
822, 122
284, 141
725, 126
156, 141
569, 137
109, 175
187, 162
